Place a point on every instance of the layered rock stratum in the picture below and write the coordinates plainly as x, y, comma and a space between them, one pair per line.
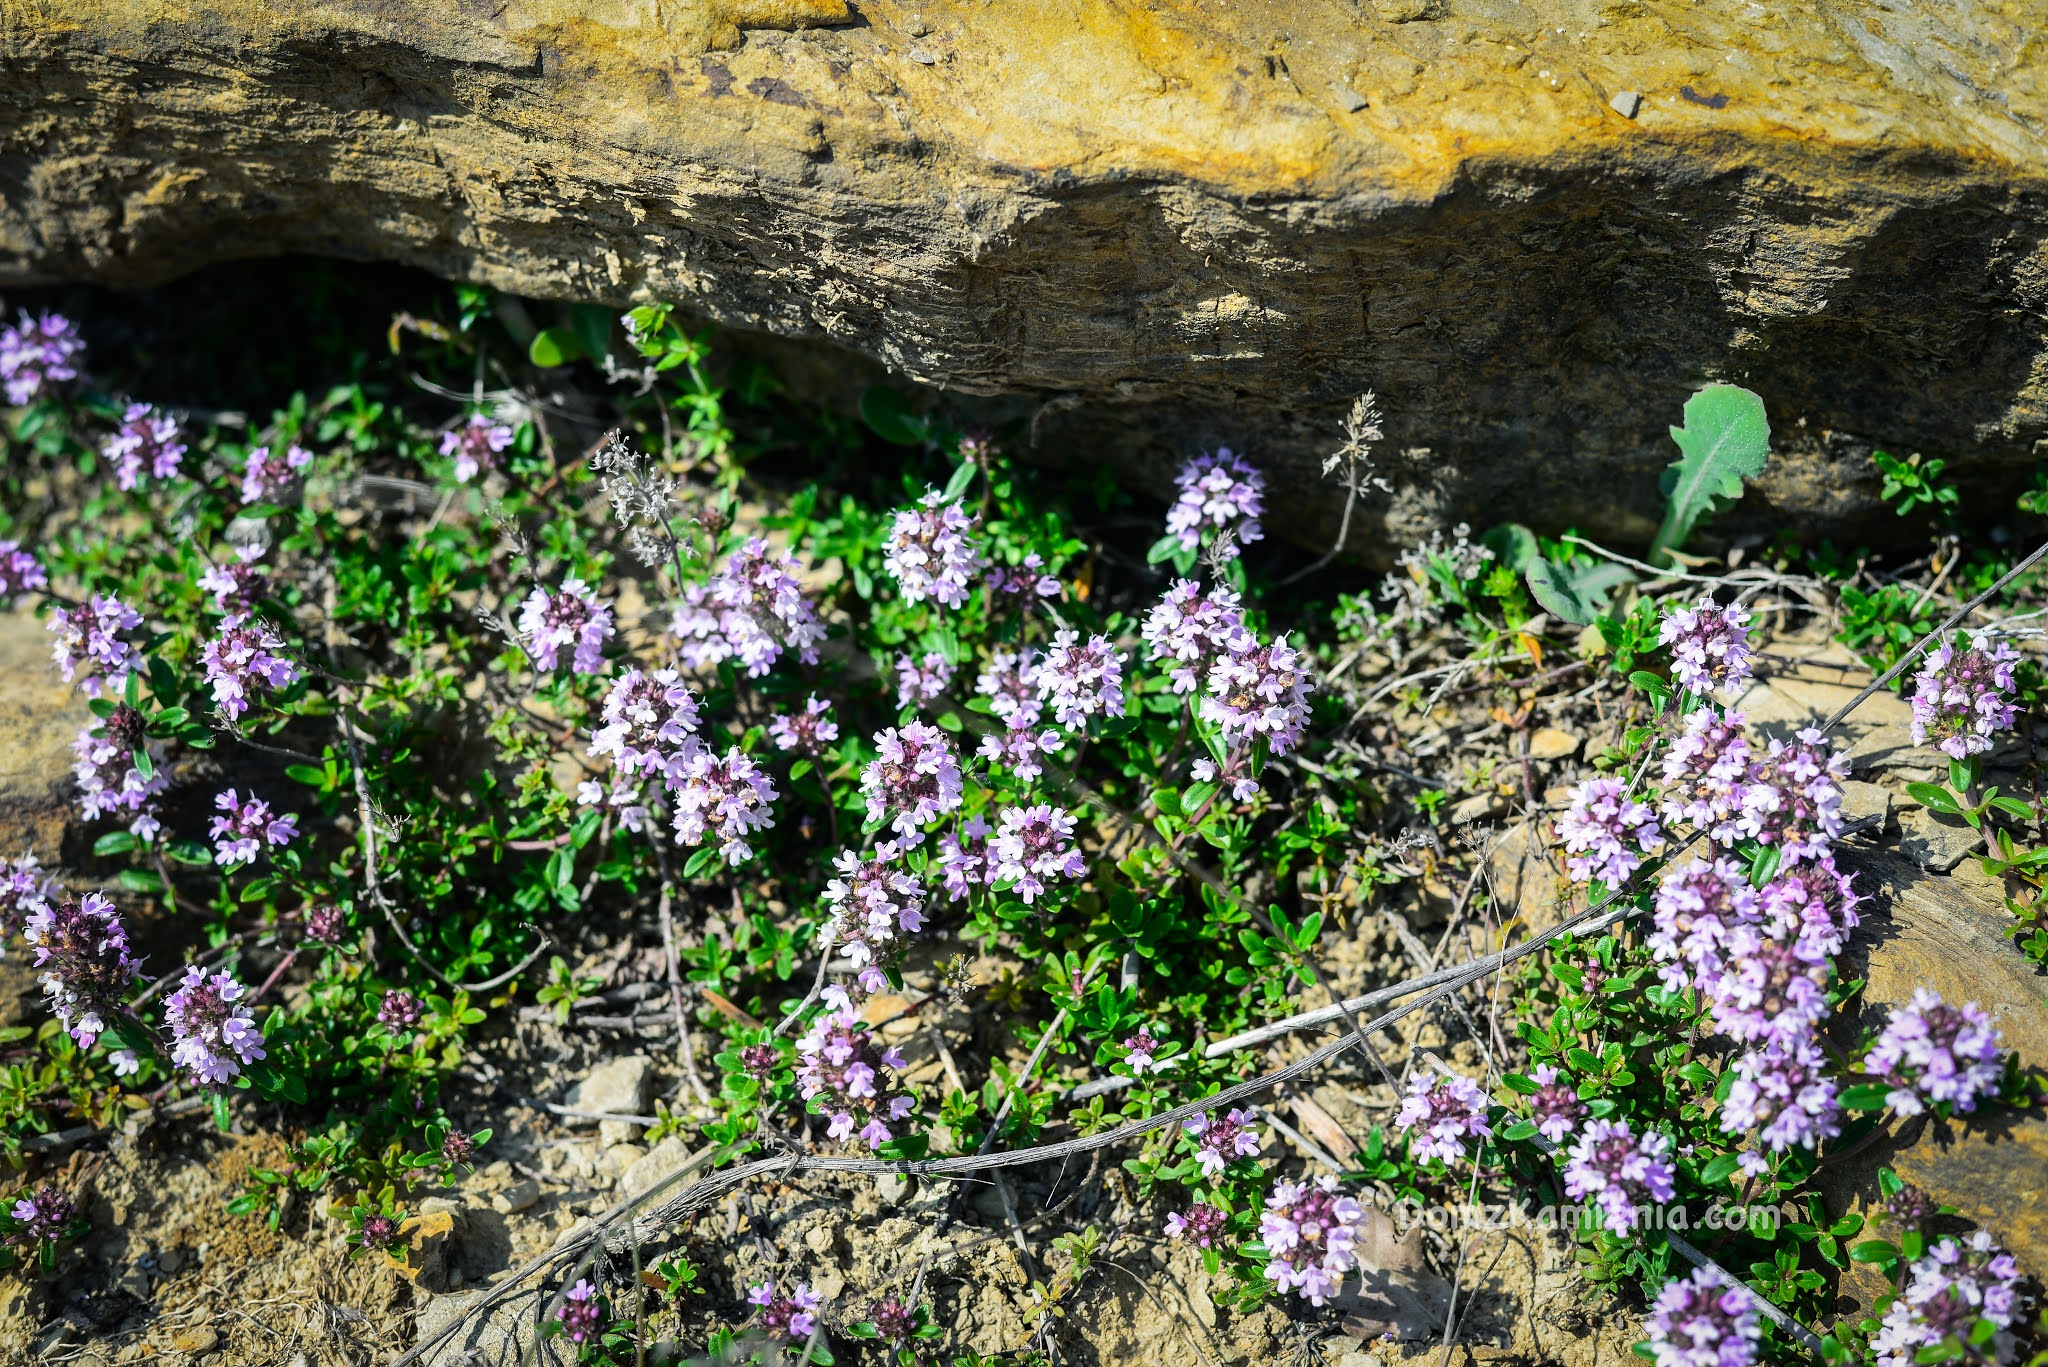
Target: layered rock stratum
1149, 226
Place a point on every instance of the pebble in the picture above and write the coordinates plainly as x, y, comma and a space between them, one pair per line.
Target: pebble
1626, 103
1478, 807
923, 56
521, 1195
1550, 743
201, 1339
1347, 99
818, 1239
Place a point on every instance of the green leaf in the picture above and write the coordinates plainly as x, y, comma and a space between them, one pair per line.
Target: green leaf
887, 413
592, 324
1512, 544
307, 774
1718, 1171
553, 347
1515, 1082
1577, 592
1165, 548
1873, 1251
2012, 806
142, 881
1726, 440
1865, 1096
1934, 797
1519, 1131
962, 477
115, 842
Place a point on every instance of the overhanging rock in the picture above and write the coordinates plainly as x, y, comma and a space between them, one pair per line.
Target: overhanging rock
1150, 226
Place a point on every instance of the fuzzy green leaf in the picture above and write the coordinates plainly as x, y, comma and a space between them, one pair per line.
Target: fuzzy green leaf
1726, 440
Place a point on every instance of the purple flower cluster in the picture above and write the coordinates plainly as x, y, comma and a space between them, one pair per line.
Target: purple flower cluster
793, 1317
916, 779
266, 475
1770, 988
1193, 630
727, 797
1080, 680
475, 446
1703, 1321
242, 657
570, 618
873, 900
1033, 844
1608, 832
19, 571
1705, 773
146, 443
1555, 1106
805, 732
1201, 1224
1218, 493
237, 585
921, 681
650, 724
1783, 1091
1221, 1141
1311, 1232
1698, 906
244, 827
24, 888
89, 637
894, 1321
37, 354
1442, 1111
931, 552
1794, 797
1621, 1173
1016, 586
1020, 746
964, 858
1816, 902
582, 1316
1709, 646
1964, 697
212, 1032
45, 1215
400, 1010
1947, 1291
752, 610
840, 1073
109, 783
1141, 1053
1260, 692
81, 948
1934, 1054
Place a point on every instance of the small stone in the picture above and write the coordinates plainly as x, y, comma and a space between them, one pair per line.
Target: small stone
171, 1261
1347, 99
662, 1161
613, 1162
1861, 802
199, 1339
923, 56
521, 1195
917, 27
1626, 103
1406, 11
619, 1086
1478, 807
1550, 743
1935, 843
818, 1239
892, 1188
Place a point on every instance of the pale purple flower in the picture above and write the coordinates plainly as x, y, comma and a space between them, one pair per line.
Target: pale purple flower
37, 354
1621, 1173
571, 618
245, 827
1235, 774
1221, 1140
1555, 1107
650, 723
1006, 681
45, 1215
1192, 629
1019, 746
1784, 1092
89, 637
931, 552
212, 1032
874, 900
1705, 773
20, 571
81, 950
1698, 906
24, 888
1709, 646
1033, 844
238, 584
1141, 1053
475, 446
1934, 1054
1079, 680
915, 780
1201, 1224
921, 681
1260, 692
243, 657
1608, 832
1218, 493
1440, 1112
727, 797
1962, 698
964, 858
793, 1317
1815, 901
752, 610
126, 1064
846, 1075
1311, 1233
1703, 1321
266, 475
400, 1010
1947, 1291
109, 783
1768, 987
805, 732
1016, 586
1794, 797
326, 924
147, 443
582, 1317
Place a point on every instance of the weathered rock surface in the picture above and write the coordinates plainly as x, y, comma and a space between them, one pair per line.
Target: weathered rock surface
40, 716
1532, 228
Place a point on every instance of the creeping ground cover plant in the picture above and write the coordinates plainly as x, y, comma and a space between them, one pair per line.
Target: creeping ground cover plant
943, 825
